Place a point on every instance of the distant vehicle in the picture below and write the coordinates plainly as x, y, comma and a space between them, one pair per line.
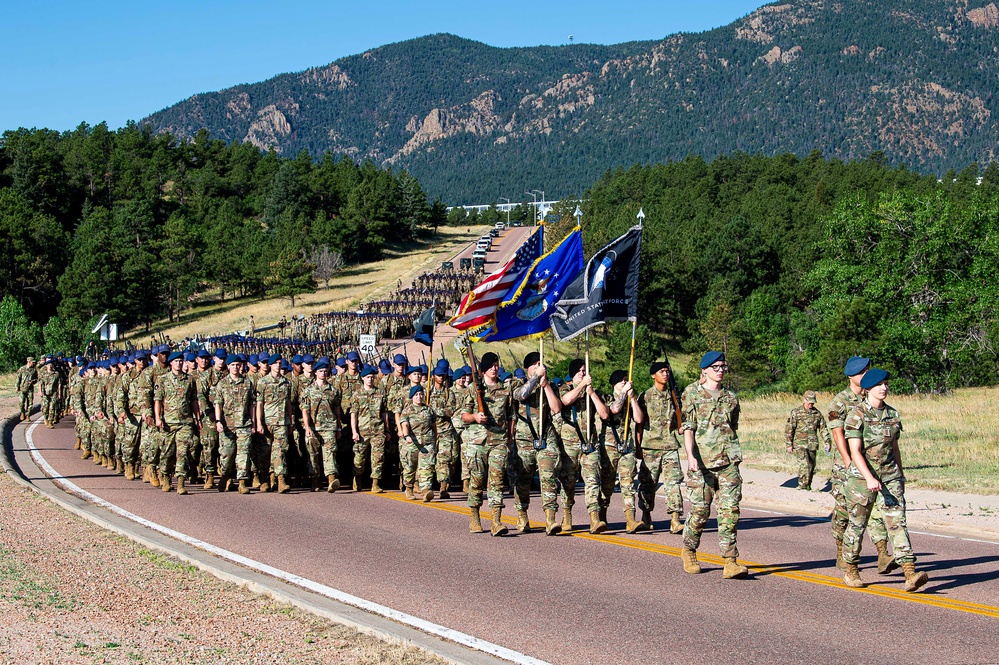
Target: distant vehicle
485, 241
447, 265
517, 224
479, 254
494, 233
478, 265
499, 225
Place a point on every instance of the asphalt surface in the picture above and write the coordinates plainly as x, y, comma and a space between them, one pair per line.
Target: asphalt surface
612, 598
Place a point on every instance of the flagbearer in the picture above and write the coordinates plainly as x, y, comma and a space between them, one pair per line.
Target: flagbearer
619, 448
581, 454
660, 447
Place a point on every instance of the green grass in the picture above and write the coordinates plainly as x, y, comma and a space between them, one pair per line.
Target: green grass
18, 582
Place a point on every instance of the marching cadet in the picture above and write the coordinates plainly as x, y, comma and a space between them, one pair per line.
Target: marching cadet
128, 407
320, 403
419, 448
801, 436
710, 434
234, 401
619, 447
581, 454
206, 376
462, 377
27, 377
274, 422
151, 438
176, 409
368, 427
536, 450
660, 448
48, 387
443, 403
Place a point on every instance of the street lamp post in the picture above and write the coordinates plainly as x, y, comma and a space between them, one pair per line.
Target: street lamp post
503, 198
534, 207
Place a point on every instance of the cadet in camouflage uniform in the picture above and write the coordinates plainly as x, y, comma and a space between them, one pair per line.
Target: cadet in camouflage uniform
581, 455
462, 377
27, 377
206, 376
347, 382
875, 477
175, 405
234, 399
419, 450
801, 436
321, 416
150, 440
837, 411
99, 425
444, 403
620, 449
48, 385
488, 435
79, 412
660, 448
113, 389
710, 434
537, 451
127, 406
368, 424
82, 407
274, 415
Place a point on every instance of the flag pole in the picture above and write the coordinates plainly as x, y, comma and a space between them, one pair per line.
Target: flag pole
541, 394
631, 361
588, 400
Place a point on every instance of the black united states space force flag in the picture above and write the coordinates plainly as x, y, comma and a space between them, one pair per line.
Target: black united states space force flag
607, 290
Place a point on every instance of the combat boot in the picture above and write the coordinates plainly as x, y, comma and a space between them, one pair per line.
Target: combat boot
631, 526
689, 559
273, 484
154, 478
675, 525
733, 569
79, 443
603, 513
444, 494
464, 486
86, 454
282, 484
265, 485
475, 522
210, 481
852, 577
428, 496
567, 520
358, 483
597, 525
129, 472
181, 490
165, 482
119, 466
886, 562
551, 526
223, 483
523, 522
316, 484
243, 489
409, 492
913, 580
333, 484
375, 487
256, 481
839, 556
498, 528
647, 519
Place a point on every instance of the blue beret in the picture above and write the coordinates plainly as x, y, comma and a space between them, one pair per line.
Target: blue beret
325, 359
190, 357
123, 360
341, 362
415, 369
275, 358
440, 370
519, 373
504, 375
113, 362
203, 353
174, 356
400, 359
221, 353
323, 363
297, 359
710, 358
309, 358
873, 378
353, 355
458, 373
367, 371
414, 390
423, 368
856, 365
253, 359
241, 357
162, 348
466, 369
443, 363
385, 367
231, 358
82, 371
286, 366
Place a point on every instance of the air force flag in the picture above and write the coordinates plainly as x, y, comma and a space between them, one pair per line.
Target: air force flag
607, 290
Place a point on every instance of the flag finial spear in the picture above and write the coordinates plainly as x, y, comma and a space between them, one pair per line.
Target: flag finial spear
641, 216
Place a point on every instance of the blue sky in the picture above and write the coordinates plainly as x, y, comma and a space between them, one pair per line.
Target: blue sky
66, 62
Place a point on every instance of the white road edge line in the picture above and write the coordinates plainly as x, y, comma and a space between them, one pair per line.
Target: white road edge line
322, 589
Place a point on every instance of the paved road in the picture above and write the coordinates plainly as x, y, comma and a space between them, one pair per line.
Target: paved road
612, 598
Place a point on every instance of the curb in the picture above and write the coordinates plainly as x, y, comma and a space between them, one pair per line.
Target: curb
363, 622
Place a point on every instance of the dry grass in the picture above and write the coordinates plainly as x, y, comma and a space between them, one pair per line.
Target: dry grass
949, 442
356, 284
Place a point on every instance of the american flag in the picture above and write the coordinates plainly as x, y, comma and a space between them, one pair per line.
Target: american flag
479, 305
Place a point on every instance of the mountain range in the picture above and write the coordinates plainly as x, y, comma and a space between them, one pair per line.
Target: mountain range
911, 79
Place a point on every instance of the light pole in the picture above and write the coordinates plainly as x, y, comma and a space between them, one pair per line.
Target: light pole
534, 207
542, 192
503, 198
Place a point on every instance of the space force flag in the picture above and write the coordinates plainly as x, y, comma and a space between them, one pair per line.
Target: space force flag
607, 290
527, 308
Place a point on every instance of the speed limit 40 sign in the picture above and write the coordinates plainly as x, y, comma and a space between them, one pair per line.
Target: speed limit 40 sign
366, 345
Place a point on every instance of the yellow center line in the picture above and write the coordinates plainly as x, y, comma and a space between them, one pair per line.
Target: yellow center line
757, 568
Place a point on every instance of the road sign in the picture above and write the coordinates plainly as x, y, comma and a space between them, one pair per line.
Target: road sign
367, 345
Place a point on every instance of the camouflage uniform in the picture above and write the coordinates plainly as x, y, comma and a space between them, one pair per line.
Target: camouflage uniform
27, 377
660, 452
574, 461
488, 444
837, 411
99, 427
879, 430
371, 408
179, 396
150, 440
127, 403
528, 460
714, 419
235, 399
274, 393
621, 463
82, 411
802, 434
443, 402
49, 384
419, 453
205, 381
323, 403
